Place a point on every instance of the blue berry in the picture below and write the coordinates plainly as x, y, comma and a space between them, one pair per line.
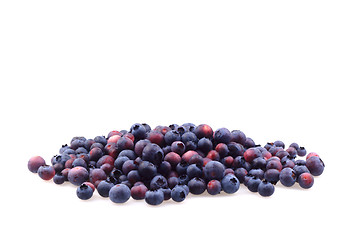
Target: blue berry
119, 193
178, 193
84, 192
155, 197
230, 183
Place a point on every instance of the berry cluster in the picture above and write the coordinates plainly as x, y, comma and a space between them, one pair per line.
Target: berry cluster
169, 162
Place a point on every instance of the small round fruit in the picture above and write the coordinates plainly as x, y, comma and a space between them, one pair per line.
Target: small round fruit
46, 172
84, 192
119, 193
34, 163
306, 180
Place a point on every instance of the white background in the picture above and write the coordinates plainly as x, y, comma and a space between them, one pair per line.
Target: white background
273, 69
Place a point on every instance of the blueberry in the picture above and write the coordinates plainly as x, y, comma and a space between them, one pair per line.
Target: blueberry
253, 184
235, 149
164, 168
133, 176
119, 162
279, 143
213, 187
79, 162
287, 177
230, 183
147, 170
119, 193
105, 159
222, 135
59, 178
197, 186
301, 151
84, 192
203, 130
157, 182
183, 179
173, 158
299, 169
172, 136
178, 147
240, 173
172, 182
258, 173
181, 168
238, 136
266, 189
78, 175
138, 130
34, 163
249, 143
252, 153
101, 139
315, 165
194, 171
222, 149
306, 180
155, 197
272, 175
46, 172
178, 194
205, 145
138, 192
153, 153
140, 145
214, 170
294, 145
128, 166
125, 143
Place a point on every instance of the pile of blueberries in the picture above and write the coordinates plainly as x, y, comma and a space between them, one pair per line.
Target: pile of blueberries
169, 162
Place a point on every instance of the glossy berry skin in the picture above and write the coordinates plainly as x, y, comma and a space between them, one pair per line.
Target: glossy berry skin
230, 183
119, 193
238, 136
213, 187
204, 145
214, 170
279, 143
240, 173
34, 163
253, 184
178, 147
306, 180
311, 155
301, 151
138, 130
154, 198
266, 189
104, 187
203, 130
59, 178
315, 165
222, 135
252, 153
173, 158
147, 170
84, 192
157, 182
125, 143
222, 149
287, 177
153, 153
194, 171
272, 175
138, 192
78, 175
178, 194
172, 136
46, 172
197, 186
